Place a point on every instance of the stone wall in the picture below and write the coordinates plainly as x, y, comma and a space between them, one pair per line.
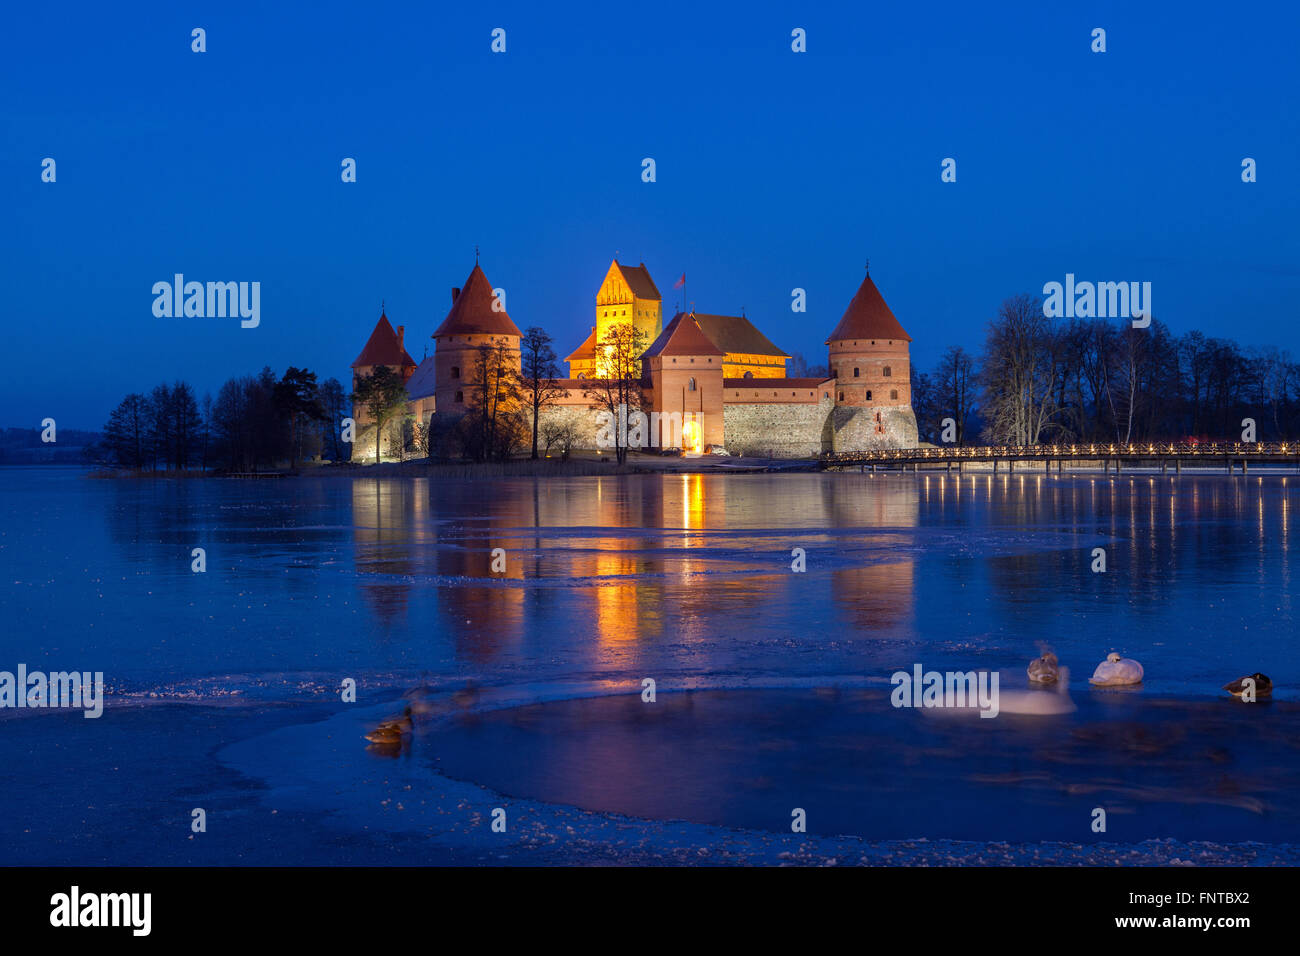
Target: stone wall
580, 419
773, 430
390, 443
764, 430
857, 429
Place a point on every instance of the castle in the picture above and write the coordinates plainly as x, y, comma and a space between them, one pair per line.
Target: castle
718, 374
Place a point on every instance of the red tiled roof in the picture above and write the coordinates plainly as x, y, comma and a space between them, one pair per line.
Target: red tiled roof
775, 382
682, 336
587, 350
638, 280
472, 312
867, 317
736, 334
383, 348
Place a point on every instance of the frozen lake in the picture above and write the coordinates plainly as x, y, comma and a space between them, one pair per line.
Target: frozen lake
223, 685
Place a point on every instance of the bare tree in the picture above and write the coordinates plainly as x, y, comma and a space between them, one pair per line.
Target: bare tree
492, 426
954, 386
538, 374
616, 386
1023, 355
562, 434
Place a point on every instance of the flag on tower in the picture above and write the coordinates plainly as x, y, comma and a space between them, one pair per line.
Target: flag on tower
680, 282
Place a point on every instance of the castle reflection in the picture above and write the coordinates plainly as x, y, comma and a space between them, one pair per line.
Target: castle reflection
626, 565
632, 559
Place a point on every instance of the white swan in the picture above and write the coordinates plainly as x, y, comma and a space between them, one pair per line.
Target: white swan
1116, 671
1043, 670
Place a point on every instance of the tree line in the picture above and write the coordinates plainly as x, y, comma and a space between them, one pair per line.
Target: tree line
256, 422
1042, 379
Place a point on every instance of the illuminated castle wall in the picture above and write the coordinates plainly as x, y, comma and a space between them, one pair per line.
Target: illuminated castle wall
717, 371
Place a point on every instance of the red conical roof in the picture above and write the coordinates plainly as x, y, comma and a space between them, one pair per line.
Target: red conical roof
587, 350
472, 312
383, 348
682, 336
868, 317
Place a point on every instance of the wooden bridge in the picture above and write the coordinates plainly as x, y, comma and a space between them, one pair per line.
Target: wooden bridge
1134, 454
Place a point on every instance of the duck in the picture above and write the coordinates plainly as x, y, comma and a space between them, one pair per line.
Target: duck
1116, 671
392, 731
385, 734
403, 723
1044, 670
1263, 686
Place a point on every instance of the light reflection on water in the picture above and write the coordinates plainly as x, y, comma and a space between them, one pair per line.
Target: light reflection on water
682, 574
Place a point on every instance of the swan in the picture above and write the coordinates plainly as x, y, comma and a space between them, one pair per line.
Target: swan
1116, 671
1043, 670
1263, 686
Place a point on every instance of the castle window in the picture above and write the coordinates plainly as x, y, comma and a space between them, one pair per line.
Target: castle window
690, 385
889, 372
855, 373
893, 394
826, 394
749, 375
460, 396
841, 396
582, 375
455, 371
868, 394
877, 416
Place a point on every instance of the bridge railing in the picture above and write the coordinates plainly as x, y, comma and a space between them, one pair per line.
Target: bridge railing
1078, 450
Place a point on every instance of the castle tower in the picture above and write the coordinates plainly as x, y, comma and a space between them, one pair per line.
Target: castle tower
871, 365
627, 295
384, 348
475, 320
684, 372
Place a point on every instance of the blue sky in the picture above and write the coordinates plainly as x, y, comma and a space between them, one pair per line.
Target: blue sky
775, 170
